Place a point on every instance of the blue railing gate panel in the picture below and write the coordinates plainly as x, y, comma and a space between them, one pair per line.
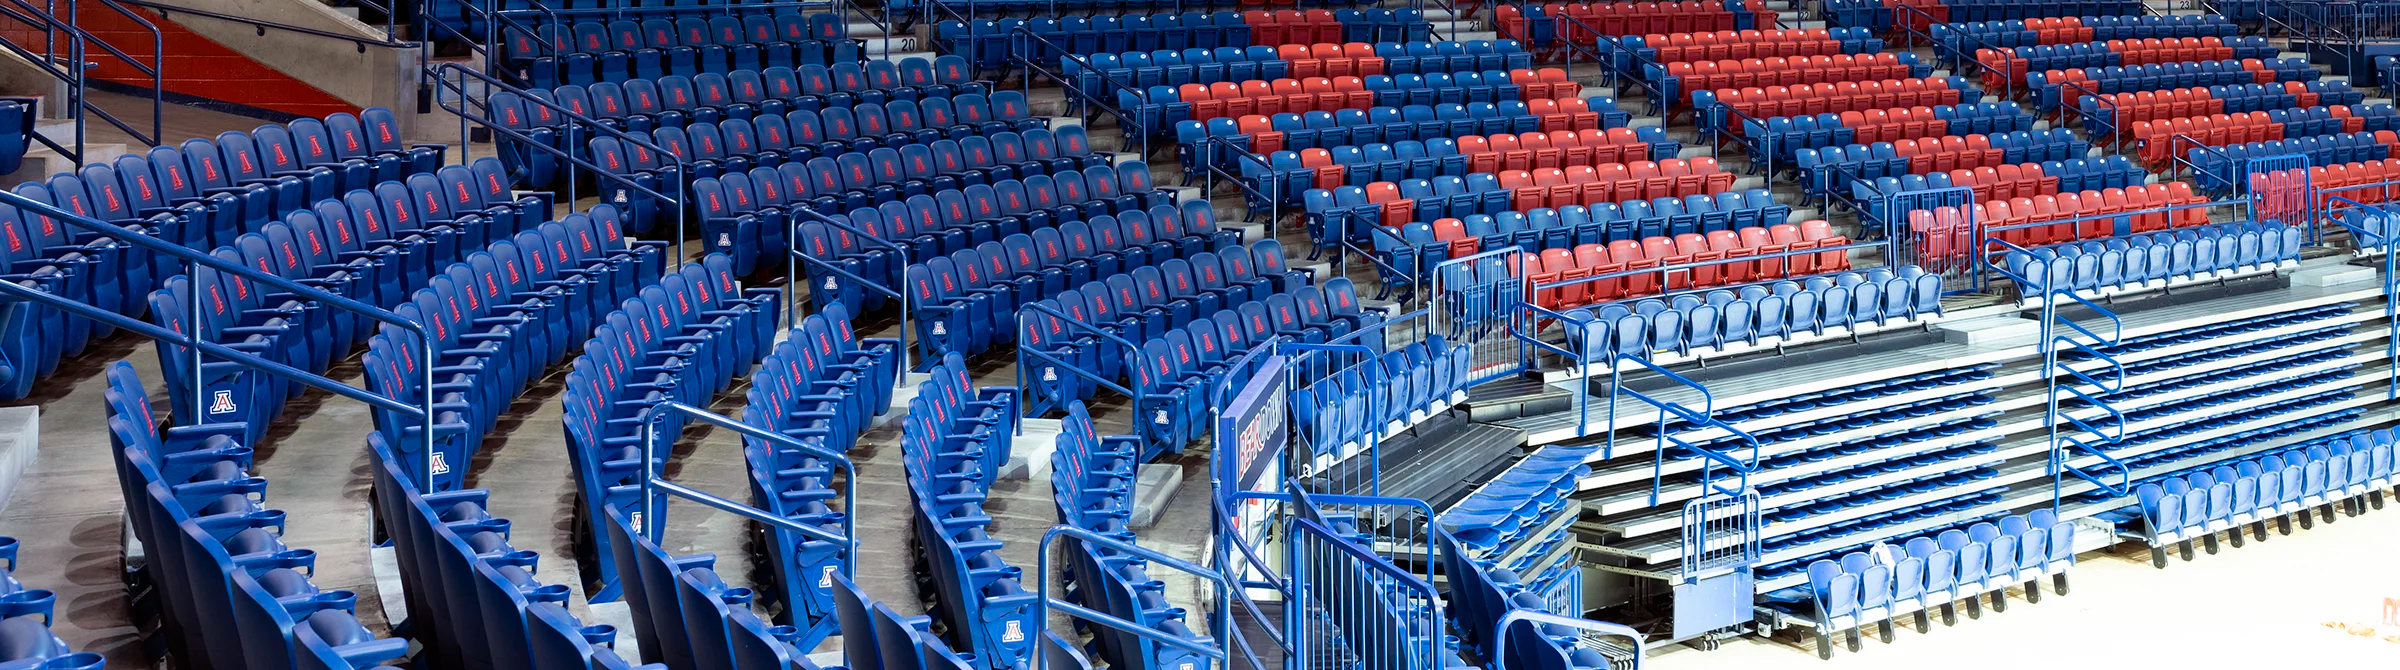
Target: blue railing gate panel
1475, 301
2281, 188
1942, 241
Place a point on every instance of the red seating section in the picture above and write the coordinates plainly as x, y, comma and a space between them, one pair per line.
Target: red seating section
1615, 182
1553, 149
1948, 152
2140, 106
1893, 125
1330, 60
1837, 97
2345, 179
2259, 74
2064, 207
1729, 253
2156, 139
1741, 44
2005, 182
1291, 26
1710, 75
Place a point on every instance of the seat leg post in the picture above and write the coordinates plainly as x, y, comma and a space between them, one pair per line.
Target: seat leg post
2186, 548
2258, 530
2235, 535
1884, 627
2158, 557
1824, 644
1950, 613
1924, 621
2307, 521
2209, 542
1975, 606
2059, 580
1851, 636
2327, 510
2375, 498
2000, 599
2033, 590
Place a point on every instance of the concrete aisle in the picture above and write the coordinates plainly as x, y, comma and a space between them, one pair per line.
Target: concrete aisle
2264, 605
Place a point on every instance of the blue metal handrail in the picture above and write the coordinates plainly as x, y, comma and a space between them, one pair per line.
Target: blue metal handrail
1219, 628
1381, 569
196, 338
2390, 242
2051, 287
75, 72
1133, 356
1704, 418
1538, 620
1622, 60
791, 278
1020, 50
654, 505
1578, 337
1210, 146
1755, 139
1374, 435
574, 160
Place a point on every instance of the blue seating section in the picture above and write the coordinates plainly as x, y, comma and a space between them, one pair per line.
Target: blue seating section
16, 134
2152, 259
1939, 570
1828, 169
376, 247
2215, 169
967, 300
1408, 106
1402, 387
200, 194
1784, 309
903, 104
594, 51
2172, 510
226, 590
1086, 35
1782, 137
821, 386
1481, 593
955, 439
682, 337
1092, 480
1105, 73
1880, 17
1516, 506
2075, 176
842, 175
2163, 76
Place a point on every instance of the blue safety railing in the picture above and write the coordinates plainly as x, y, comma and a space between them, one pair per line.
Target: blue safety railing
2378, 236
1022, 44
1474, 302
2290, 195
1352, 607
1940, 247
1214, 152
195, 339
1756, 140
1152, 439
1312, 364
2093, 387
1625, 63
1589, 633
795, 258
1703, 418
2114, 129
1574, 348
462, 105
1220, 626
65, 56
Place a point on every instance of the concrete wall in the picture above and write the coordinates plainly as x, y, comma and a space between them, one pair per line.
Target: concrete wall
370, 79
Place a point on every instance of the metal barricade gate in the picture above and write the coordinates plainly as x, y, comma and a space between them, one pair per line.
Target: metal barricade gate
1355, 610
1941, 241
2281, 188
1720, 545
1475, 303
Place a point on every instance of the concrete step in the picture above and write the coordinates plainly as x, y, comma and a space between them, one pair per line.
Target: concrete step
904, 55
887, 45
1440, 15
864, 30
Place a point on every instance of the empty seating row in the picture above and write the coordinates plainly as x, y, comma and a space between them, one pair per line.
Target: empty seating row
2302, 481
822, 386
1516, 504
1781, 311
454, 20
1922, 15
681, 339
1295, 174
1545, 25
1628, 268
2010, 67
1105, 73
1092, 485
1481, 592
1826, 170
1863, 588
1567, 227
2150, 259
2111, 113
2051, 88
1270, 306
1677, 81
2216, 169
1592, 122
2009, 181
1954, 39
783, 72
498, 320
1393, 204
2358, 181
624, 50
2086, 214
355, 247
968, 299
1342, 413
2158, 139
862, 174
1161, 108
673, 100
25, 637
227, 592
1632, 51
955, 439
1781, 138
1834, 97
